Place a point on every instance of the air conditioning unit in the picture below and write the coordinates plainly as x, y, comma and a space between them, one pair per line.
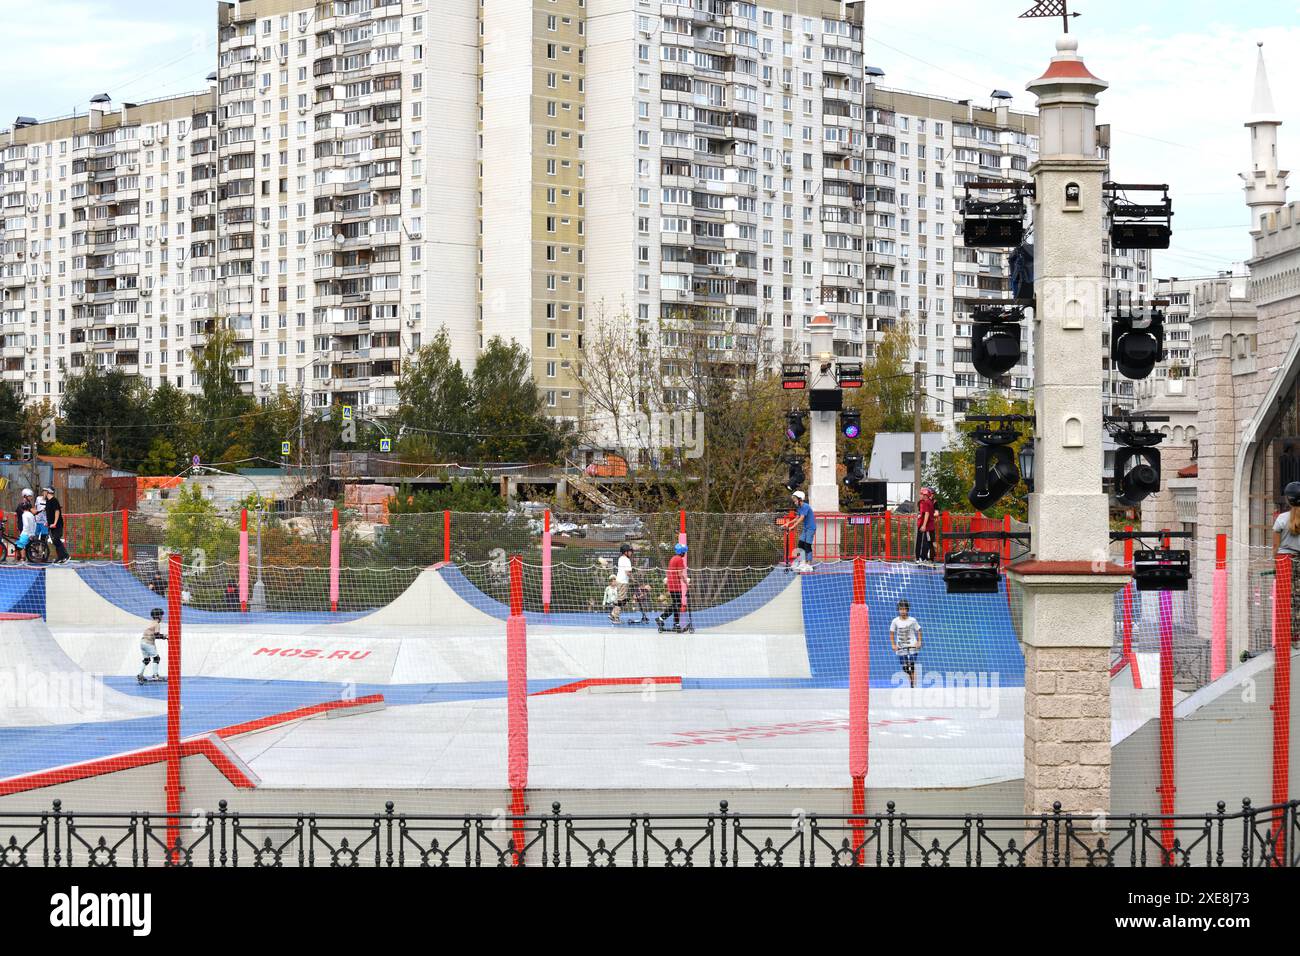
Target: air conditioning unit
132, 168
148, 242
162, 241
146, 292
80, 297
303, 111
147, 141
413, 150
415, 235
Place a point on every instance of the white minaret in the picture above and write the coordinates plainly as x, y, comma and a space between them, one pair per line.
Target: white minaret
1265, 183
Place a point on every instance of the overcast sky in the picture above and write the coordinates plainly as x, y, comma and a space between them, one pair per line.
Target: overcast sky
1181, 75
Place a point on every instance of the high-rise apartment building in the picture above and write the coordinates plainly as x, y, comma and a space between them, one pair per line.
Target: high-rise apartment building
366, 172
99, 214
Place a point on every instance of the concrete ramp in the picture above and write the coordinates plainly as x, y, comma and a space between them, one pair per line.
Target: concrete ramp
40, 685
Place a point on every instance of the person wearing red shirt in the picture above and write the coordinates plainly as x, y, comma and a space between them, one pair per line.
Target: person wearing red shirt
925, 517
676, 583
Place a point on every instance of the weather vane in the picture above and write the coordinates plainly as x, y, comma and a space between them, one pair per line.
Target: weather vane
1051, 8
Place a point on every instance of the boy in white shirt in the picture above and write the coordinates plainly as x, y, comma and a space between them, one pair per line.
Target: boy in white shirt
622, 581
149, 649
905, 638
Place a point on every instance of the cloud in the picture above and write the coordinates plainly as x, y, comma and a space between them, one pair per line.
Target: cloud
1180, 92
59, 53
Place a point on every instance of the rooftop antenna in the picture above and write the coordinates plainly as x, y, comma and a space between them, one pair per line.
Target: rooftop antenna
1051, 8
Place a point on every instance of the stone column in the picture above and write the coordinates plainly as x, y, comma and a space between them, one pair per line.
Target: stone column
823, 435
1068, 582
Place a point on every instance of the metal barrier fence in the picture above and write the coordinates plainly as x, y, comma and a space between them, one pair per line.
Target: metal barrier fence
1249, 837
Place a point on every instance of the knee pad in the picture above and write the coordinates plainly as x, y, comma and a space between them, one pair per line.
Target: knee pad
157, 660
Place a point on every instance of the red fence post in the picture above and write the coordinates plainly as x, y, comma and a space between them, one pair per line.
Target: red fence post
126, 539
1129, 658
944, 543
335, 560
517, 705
1282, 625
859, 697
888, 535
681, 528
243, 559
173, 784
546, 562
446, 537
1006, 542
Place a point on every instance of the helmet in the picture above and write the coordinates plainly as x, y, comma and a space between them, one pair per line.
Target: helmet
1292, 493
800, 495
680, 549
156, 614
624, 548
27, 492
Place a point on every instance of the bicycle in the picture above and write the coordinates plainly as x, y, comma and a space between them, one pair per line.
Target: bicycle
38, 549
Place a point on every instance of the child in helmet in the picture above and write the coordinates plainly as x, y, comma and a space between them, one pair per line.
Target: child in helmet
676, 583
622, 581
148, 647
1286, 529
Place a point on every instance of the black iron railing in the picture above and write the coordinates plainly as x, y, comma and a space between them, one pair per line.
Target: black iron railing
1249, 837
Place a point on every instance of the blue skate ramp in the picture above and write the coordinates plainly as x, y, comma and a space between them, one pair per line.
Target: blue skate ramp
960, 633
22, 590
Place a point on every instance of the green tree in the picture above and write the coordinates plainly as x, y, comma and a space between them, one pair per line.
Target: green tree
12, 420
162, 459
509, 416
197, 530
108, 411
221, 409
171, 417
952, 474
885, 400
434, 403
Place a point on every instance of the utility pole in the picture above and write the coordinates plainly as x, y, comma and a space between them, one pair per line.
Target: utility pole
918, 403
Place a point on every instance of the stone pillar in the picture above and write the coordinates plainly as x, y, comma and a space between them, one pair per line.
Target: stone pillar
823, 436
1068, 582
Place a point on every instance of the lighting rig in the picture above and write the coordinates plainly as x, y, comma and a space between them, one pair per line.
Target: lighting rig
1136, 474
1135, 225
997, 223
996, 470
995, 338
969, 571
1158, 567
1137, 340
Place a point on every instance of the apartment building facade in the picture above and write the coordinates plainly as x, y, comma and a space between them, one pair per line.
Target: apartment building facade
97, 268
363, 173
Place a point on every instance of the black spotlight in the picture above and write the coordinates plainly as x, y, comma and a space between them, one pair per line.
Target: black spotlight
1161, 570
1137, 465
999, 224
1135, 225
1137, 344
795, 479
995, 467
972, 572
856, 472
794, 425
851, 426
995, 339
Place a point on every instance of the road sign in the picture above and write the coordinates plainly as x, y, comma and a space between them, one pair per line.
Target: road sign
385, 444
284, 449
195, 461
347, 413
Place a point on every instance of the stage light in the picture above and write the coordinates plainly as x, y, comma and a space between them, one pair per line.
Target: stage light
825, 400
995, 339
1161, 570
1136, 350
998, 224
794, 425
851, 424
972, 572
1139, 225
794, 376
856, 472
995, 467
849, 375
795, 478
1137, 463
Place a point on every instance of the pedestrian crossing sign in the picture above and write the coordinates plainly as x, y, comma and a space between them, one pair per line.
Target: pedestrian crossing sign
284, 449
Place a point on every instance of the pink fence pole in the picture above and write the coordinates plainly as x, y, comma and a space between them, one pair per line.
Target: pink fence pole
243, 559
1219, 610
546, 563
1167, 781
517, 703
1282, 626
859, 693
334, 560
172, 785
